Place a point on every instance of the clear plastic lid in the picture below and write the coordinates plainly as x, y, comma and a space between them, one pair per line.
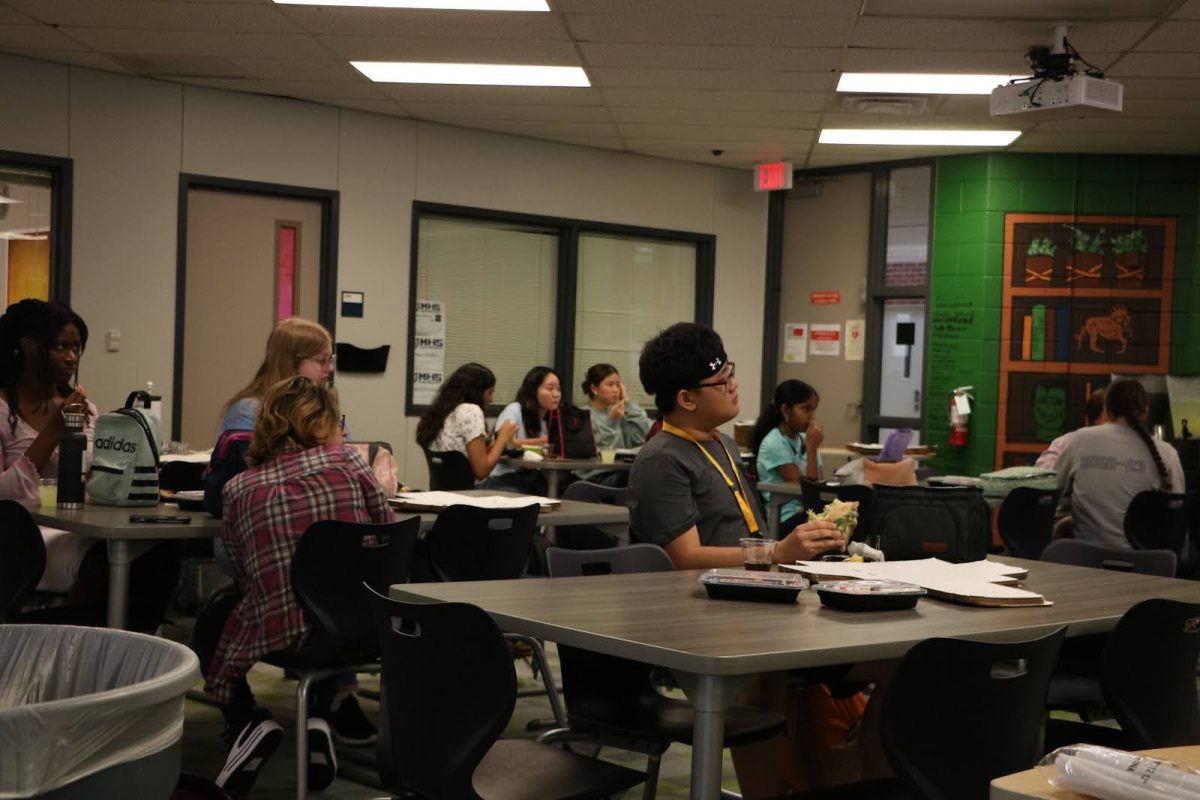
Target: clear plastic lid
870, 587
743, 577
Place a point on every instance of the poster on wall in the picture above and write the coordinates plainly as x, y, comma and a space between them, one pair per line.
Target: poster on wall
825, 340
795, 343
429, 350
856, 332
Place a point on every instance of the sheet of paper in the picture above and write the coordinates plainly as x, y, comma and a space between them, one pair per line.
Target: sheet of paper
975, 582
795, 343
438, 499
825, 340
856, 334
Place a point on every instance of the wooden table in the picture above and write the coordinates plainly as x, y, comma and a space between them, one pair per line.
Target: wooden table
126, 540
1033, 784
555, 467
713, 646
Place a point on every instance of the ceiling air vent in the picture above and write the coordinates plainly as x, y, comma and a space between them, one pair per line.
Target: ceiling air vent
900, 105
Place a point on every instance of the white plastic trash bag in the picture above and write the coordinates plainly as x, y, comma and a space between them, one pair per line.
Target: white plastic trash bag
74, 701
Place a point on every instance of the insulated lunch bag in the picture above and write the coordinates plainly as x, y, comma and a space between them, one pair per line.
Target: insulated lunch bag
910, 522
571, 434
125, 456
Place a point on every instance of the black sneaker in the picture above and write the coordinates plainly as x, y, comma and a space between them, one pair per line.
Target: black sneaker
250, 751
350, 725
322, 759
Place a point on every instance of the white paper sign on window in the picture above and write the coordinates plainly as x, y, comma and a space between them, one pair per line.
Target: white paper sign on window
429, 350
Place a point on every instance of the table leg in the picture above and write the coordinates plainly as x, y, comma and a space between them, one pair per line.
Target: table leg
709, 695
773, 515
553, 479
119, 556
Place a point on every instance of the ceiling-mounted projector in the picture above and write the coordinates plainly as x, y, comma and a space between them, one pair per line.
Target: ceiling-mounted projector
1065, 96
1060, 86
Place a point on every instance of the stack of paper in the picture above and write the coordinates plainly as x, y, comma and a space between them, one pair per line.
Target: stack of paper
978, 583
436, 501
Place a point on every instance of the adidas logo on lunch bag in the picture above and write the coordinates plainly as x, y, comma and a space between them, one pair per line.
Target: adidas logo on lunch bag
125, 456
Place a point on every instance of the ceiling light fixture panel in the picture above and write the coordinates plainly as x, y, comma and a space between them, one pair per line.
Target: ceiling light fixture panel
436, 5
922, 82
472, 74
928, 138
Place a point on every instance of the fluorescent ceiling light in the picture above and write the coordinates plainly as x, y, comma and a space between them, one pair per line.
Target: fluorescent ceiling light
921, 83
23, 237
471, 74
439, 5
946, 138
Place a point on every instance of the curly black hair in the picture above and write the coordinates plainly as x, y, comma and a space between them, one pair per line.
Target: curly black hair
41, 322
676, 359
467, 384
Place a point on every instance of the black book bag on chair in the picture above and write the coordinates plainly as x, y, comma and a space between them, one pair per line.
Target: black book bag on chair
571, 434
911, 522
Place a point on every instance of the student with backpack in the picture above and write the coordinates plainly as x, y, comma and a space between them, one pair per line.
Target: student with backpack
299, 473
41, 345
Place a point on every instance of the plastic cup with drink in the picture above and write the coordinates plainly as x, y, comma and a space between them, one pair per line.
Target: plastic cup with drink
757, 553
48, 492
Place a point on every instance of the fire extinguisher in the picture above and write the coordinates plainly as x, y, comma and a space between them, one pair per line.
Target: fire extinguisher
960, 415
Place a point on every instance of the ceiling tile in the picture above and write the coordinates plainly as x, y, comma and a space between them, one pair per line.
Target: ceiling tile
230, 43
716, 116
326, 90
1120, 123
980, 35
767, 8
157, 15
544, 128
1160, 87
518, 95
329, 68
711, 29
868, 59
37, 37
699, 99
815, 59
425, 24
1167, 109
782, 81
711, 133
1167, 65
76, 58
473, 51
1172, 37
507, 111
1054, 10
11, 16
834, 119
1189, 10
1150, 142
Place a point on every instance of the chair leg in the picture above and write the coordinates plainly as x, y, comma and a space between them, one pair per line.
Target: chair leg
302, 687
650, 787
539, 658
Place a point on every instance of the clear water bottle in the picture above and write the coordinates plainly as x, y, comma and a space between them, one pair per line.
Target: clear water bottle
71, 446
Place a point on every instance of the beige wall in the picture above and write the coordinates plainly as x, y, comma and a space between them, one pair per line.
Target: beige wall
130, 138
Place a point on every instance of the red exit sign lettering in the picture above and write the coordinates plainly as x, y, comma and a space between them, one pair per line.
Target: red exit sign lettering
772, 176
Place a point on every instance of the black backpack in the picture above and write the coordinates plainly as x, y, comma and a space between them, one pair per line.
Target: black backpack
228, 459
911, 522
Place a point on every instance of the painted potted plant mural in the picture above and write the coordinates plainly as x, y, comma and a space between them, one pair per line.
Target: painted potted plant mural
1129, 252
1039, 261
1086, 258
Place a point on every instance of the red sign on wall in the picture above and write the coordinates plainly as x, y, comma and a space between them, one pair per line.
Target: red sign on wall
825, 298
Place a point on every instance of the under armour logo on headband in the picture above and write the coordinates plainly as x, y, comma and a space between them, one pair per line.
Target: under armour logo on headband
714, 364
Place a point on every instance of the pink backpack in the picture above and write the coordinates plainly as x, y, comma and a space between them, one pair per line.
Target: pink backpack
379, 458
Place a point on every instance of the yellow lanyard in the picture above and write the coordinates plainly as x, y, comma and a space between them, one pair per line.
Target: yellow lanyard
739, 491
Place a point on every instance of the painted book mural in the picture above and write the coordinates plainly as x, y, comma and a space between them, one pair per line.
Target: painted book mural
1084, 297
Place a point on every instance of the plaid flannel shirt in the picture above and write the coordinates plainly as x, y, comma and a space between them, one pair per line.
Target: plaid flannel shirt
267, 509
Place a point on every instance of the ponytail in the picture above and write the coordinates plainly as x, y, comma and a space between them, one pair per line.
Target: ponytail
1126, 400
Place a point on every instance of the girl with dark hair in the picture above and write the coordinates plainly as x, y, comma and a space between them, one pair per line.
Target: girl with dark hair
454, 420
785, 439
616, 420
1103, 467
539, 394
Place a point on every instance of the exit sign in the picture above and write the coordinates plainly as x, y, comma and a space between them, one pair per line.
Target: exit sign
773, 175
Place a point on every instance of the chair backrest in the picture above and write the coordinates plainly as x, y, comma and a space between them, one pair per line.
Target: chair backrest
22, 557
1148, 673
449, 471
1158, 521
1026, 520
482, 544
815, 495
959, 713
589, 537
180, 476
600, 688
332, 561
448, 689
610, 561
1120, 559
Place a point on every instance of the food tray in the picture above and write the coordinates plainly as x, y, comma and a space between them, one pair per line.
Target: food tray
741, 584
868, 595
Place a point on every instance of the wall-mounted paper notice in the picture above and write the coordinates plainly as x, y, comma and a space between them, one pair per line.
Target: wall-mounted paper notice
856, 334
825, 340
795, 343
429, 350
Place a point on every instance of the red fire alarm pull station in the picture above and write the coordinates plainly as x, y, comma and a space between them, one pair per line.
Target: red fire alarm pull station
772, 176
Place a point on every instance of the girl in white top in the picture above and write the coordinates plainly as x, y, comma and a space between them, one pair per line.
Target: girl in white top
540, 393
454, 421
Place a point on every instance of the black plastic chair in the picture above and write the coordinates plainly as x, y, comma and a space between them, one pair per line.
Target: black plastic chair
589, 537
1026, 520
449, 691
332, 561
22, 558
1118, 559
181, 476
612, 701
815, 495
1159, 521
449, 471
1146, 677
486, 544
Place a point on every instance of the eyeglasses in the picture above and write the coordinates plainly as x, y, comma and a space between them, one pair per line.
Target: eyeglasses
325, 363
731, 368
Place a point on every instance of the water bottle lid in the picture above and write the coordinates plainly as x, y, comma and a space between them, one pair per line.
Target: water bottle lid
75, 416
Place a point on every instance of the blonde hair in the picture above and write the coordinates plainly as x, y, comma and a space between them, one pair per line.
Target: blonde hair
296, 413
291, 341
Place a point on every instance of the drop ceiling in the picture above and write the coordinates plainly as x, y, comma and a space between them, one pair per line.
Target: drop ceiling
677, 79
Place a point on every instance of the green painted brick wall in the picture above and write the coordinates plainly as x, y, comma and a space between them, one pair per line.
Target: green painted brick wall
972, 195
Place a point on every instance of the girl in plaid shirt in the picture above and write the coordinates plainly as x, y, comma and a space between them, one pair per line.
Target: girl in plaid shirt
299, 473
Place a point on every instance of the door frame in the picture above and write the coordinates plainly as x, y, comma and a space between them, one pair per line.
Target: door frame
61, 185
329, 201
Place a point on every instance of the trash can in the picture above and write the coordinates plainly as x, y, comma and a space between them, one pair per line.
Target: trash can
90, 712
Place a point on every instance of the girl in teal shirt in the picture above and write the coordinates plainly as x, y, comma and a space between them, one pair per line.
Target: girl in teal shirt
785, 436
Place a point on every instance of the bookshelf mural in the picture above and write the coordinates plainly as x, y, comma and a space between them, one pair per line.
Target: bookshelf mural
1084, 297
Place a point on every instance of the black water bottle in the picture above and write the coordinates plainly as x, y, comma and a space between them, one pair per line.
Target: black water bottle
71, 446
